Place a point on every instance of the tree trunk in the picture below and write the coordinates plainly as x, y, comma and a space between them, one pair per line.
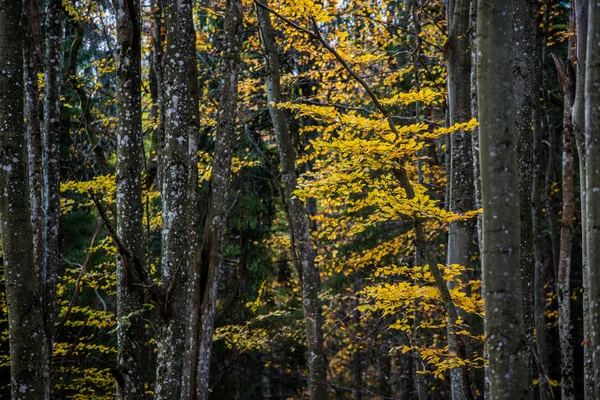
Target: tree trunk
51, 163
216, 216
21, 278
523, 67
130, 298
506, 342
592, 151
566, 78
180, 121
580, 7
538, 233
460, 233
32, 66
302, 244
84, 98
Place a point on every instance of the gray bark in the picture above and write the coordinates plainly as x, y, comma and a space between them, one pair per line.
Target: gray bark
506, 342
580, 7
302, 245
523, 67
216, 217
22, 284
460, 233
538, 234
592, 150
180, 111
566, 78
31, 67
130, 298
51, 163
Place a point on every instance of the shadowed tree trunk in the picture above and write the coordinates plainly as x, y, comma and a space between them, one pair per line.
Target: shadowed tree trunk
21, 278
130, 298
506, 342
51, 163
523, 67
302, 244
538, 231
592, 151
566, 78
460, 233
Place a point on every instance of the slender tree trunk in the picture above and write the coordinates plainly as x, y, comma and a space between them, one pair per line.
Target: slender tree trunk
580, 7
566, 78
538, 233
592, 151
216, 216
180, 121
506, 341
156, 93
51, 163
302, 244
21, 278
130, 298
188, 381
481, 378
523, 67
32, 66
460, 233
84, 98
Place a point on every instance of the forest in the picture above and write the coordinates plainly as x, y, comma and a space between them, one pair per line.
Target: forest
300, 199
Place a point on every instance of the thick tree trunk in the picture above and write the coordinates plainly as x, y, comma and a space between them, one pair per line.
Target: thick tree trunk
566, 78
180, 121
51, 163
216, 216
302, 244
21, 278
506, 341
523, 67
130, 298
592, 151
460, 233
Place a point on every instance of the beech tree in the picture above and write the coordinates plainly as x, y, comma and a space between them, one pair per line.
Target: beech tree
132, 354
506, 343
20, 274
298, 199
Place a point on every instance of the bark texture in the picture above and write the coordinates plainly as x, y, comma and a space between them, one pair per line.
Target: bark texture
22, 284
180, 109
580, 8
130, 297
460, 233
523, 67
216, 216
566, 78
302, 245
592, 151
506, 342
51, 163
